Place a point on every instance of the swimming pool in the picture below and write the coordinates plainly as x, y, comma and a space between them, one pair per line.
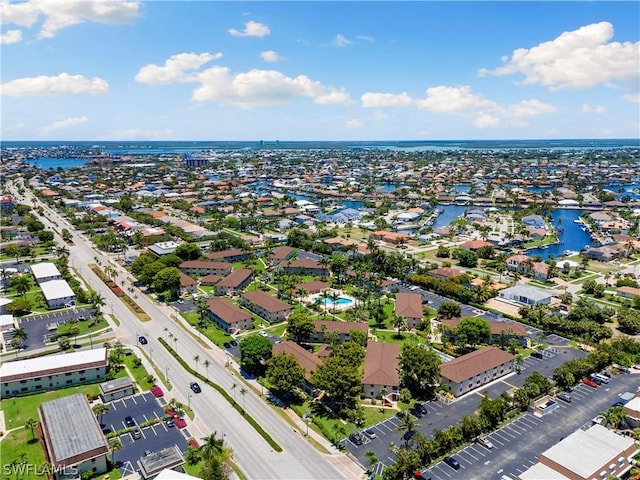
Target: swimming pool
339, 301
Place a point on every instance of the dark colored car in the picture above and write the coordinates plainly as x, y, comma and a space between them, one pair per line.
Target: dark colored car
537, 355
356, 438
142, 340
452, 462
128, 421
169, 422
408, 435
233, 343
422, 407
195, 387
565, 396
227, 344
416, 412
591, 383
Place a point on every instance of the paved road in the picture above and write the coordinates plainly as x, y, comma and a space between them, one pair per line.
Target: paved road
298, 461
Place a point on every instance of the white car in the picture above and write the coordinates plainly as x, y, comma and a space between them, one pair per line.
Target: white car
485, 442
262, 333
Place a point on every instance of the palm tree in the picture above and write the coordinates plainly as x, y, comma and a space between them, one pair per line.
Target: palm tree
20, 334
96, 300
175, 343
615, 417
196, 360
233, 387
214, 447
334, 299
21, 283
114, 445
400, 323
100, 409
74, 331
206, 366
407, 424
31, 424
165, 331
243, 392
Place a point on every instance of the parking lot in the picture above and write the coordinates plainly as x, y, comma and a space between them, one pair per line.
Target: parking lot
517, 444
141, 408
38, 327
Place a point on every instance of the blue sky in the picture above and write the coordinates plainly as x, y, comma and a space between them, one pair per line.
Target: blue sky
200, 70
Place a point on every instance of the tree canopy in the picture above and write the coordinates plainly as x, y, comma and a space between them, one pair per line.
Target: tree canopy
255, 350
419, 367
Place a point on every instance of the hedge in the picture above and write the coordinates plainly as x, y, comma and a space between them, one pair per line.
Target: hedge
224, 393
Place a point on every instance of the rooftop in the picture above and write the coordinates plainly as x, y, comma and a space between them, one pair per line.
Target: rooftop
381, 364
44, 270
474, 363
51, 364
54, 289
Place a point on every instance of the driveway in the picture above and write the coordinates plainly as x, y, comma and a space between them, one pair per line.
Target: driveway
142, 407
37, 326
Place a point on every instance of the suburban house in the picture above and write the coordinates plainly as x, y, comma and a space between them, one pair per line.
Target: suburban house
228, 316
231, 255
602, 254
519, 263
475, 245
594, 453
53, 371
394, 238
304, 266
281, 254
409, 307
57, 293
534, 221
187, 284
628, 292
343, 329
43, 272
525, 295
381, 370
234, 282
446, 273
203, 267
73, 437
475, 369
266, 306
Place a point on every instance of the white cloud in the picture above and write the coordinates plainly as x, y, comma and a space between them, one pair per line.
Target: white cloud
333, 96
62, 84
354, 123
11, 36
599, 109
341, 41
633, 97
579, 59
270, 56
366, 38
59, 14
142, 134
62, 125
370, 99
462, 101
178, 68
251, 29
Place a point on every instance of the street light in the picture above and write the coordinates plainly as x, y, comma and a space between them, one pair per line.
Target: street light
166, 373
189, 401
151, 355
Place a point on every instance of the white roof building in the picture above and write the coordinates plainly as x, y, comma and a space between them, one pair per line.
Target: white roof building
52, 363
540, 471
6, 322
56, 289
45, 271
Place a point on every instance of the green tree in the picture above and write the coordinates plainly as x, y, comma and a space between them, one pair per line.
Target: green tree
99, 409
284, 374
466, 258
255, 350
188, 251
399, 323
32, 423
167, 279
470, 427
340, 380
449, 310
115, 445
419, 367
300, 326
19, 306
473, 330
21, 284
407, 424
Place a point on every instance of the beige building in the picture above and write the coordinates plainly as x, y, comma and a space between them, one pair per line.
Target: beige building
234, 282
409, 307
343, 329
266, 306
203, 267
381, 370
53, 371
227, 316
73, 437
475, 369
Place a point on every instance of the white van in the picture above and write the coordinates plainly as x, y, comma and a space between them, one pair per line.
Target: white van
602, 378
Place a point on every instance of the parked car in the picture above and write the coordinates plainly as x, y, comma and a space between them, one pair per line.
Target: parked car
128, 421
595, 379
195, 387
356, 438
408, 435
147, 453
370, 433
142, 340
618, 404
452, 462
485, 442
422, 407
599, 419
599, 376
262, 333
169, 422
233, 343
136, 433
591, 383
425, 475
565, 396
227, 344
156, 391
537, 355
416, 412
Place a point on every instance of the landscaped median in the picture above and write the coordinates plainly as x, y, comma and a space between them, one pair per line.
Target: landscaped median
224, 393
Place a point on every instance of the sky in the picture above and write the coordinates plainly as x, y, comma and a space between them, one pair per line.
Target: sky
209, 70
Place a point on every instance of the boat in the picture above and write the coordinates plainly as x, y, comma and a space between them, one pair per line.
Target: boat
584, 229
577, 220
544, 247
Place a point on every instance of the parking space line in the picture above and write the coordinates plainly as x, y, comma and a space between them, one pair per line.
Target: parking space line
512, 430
134, 400
528, 421
467, 453
477, 451
440, 469
500, 434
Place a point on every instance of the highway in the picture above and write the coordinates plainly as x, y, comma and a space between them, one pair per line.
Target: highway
252, 453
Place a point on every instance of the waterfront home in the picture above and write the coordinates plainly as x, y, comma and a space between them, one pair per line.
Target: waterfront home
394, 238
234, 282
266, 306
228, 316
409, 307
474, 245
381, 366
475, 369
535, 221
603, 254
525, 295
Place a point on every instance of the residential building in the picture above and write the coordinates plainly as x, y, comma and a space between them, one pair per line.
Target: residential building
446, 273
45, 271
409, 307
163, 248
281, 254
631, 409
187, 284
475, 369
232, 255
305, 266
595, 453
162, 461
57, 293
315, 286
204, 267
307, 360
525, 295
500, 331
116, 388
381, 370
53, 371
474, 245
628, 292
266, 306
6, 204
234, 282
73, 437
228, 316
342, 329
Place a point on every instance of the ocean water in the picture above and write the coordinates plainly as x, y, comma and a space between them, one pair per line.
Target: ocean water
49, 163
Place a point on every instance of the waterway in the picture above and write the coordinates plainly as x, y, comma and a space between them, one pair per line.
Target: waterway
49, 163
571, 235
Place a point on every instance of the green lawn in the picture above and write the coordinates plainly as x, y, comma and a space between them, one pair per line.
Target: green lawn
18, 410
84, 326
212, 332
19, 446
139, 373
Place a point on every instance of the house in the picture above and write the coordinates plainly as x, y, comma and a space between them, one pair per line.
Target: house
232, 255
519, 263
6, 204
381, 369
117, 388
53, 371
390, 237
228, 316
525, 295
342, 329
234, 282
475, 369
45, 271
307, 360
446, 273
281, 254
409, 306
266, 306
305, 266
187, 284
73, 437
628, 292
594, 453
203, 267
535, 221
602, 254
160, 249
474, 245
57, 293
315, 286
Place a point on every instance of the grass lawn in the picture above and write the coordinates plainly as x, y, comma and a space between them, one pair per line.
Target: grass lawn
34, 296
212, 332
20, 446
139, 373
405, 337
18, 410
374, 414
84, 326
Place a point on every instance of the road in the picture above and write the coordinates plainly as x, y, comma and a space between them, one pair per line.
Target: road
299, 460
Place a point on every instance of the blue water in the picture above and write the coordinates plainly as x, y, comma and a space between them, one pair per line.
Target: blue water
450, 213
457, 189
571, 237
339, 301
55, 163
